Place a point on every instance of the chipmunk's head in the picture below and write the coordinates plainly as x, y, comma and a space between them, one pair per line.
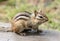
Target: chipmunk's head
40, 17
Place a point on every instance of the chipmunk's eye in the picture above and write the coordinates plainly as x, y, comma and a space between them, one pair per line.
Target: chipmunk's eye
40, 16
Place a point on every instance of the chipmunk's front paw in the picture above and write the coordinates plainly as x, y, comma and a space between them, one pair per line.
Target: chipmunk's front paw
22, 34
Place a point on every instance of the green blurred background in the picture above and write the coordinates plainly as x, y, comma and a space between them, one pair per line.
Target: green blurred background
8, 8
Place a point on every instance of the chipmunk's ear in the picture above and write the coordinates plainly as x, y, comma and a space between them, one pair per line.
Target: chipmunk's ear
35, 12
41, 12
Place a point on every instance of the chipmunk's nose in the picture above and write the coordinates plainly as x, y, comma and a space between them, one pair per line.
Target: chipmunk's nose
46, 19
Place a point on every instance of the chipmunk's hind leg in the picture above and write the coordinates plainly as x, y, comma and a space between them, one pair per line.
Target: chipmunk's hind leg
20, 32
24, 32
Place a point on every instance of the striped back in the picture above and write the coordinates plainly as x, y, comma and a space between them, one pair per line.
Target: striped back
22, 16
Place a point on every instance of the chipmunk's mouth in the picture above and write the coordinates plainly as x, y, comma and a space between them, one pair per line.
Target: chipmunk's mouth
46, 19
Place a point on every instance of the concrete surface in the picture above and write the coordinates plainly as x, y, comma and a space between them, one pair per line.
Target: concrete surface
45, 36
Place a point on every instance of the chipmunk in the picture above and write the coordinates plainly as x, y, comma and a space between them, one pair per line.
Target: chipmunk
26, 20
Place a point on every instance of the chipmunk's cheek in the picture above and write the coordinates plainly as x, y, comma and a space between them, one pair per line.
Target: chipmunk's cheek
39, 22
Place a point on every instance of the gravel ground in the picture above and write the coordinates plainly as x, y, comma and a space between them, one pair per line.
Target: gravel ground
45, 36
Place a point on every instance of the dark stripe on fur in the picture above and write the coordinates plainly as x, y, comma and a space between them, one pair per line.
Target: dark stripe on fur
22, 15
21, 19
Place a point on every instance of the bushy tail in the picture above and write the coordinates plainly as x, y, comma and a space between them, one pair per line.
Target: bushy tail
12, 25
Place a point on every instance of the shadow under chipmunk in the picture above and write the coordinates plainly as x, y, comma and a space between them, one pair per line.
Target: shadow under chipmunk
47, 35
30, 32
